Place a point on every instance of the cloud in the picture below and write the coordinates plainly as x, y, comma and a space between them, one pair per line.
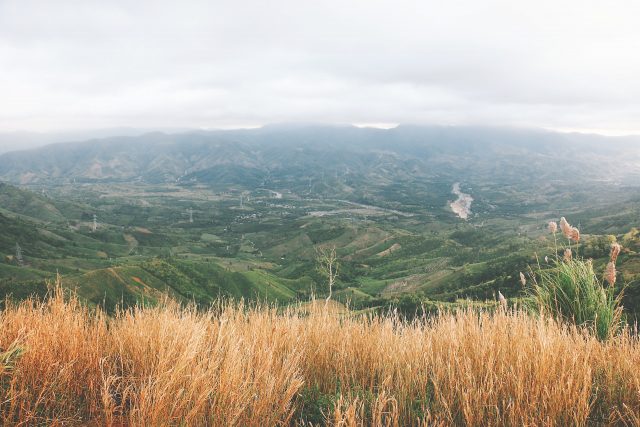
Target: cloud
83, 64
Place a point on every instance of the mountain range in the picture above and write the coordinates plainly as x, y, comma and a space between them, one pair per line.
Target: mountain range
286, 152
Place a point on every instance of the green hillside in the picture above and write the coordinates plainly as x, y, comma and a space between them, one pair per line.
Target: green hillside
242, 214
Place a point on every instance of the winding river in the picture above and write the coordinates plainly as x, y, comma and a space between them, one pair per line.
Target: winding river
462, 206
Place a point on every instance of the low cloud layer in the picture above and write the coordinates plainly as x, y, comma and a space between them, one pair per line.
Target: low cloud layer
93, 64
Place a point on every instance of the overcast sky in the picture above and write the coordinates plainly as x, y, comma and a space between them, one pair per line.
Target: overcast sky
571, 65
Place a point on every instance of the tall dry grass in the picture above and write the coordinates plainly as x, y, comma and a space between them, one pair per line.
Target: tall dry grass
237, 365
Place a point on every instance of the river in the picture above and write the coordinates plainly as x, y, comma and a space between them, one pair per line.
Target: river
462, 206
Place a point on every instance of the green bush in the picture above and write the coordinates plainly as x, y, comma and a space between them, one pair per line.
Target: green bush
571, 291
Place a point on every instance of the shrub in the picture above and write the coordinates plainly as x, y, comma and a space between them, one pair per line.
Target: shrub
571, 291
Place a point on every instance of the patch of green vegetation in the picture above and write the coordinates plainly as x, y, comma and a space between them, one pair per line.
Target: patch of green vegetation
313, 406
571, 291
266, 249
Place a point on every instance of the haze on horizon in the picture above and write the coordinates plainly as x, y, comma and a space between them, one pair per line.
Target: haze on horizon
78, 65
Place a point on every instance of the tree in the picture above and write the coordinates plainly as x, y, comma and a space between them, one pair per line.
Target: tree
327, 260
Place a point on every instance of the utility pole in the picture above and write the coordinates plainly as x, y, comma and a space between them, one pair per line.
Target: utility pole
19, 258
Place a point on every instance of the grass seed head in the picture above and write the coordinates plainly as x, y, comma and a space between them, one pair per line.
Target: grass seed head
615, 251
610, 273
568, 254
575, 234
566, 228
502, 300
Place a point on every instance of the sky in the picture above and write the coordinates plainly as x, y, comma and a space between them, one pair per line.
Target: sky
565, 65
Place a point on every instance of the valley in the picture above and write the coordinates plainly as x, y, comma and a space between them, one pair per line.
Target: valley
236, 220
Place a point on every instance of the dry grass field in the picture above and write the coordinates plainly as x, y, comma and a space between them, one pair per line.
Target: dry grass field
65, 364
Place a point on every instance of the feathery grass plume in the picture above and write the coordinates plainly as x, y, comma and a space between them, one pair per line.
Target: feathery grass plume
523, 279
553, 227
502, 300
615, 251
567, 255
566, 228
575, 234
610, 273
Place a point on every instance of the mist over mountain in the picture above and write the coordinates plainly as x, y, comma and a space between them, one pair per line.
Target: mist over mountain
285, 154
22, 140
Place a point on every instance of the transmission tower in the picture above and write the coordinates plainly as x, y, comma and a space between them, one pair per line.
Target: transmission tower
94, 226
19, 258
190, 212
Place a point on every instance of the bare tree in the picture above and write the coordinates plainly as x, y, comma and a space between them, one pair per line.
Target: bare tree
327, 260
